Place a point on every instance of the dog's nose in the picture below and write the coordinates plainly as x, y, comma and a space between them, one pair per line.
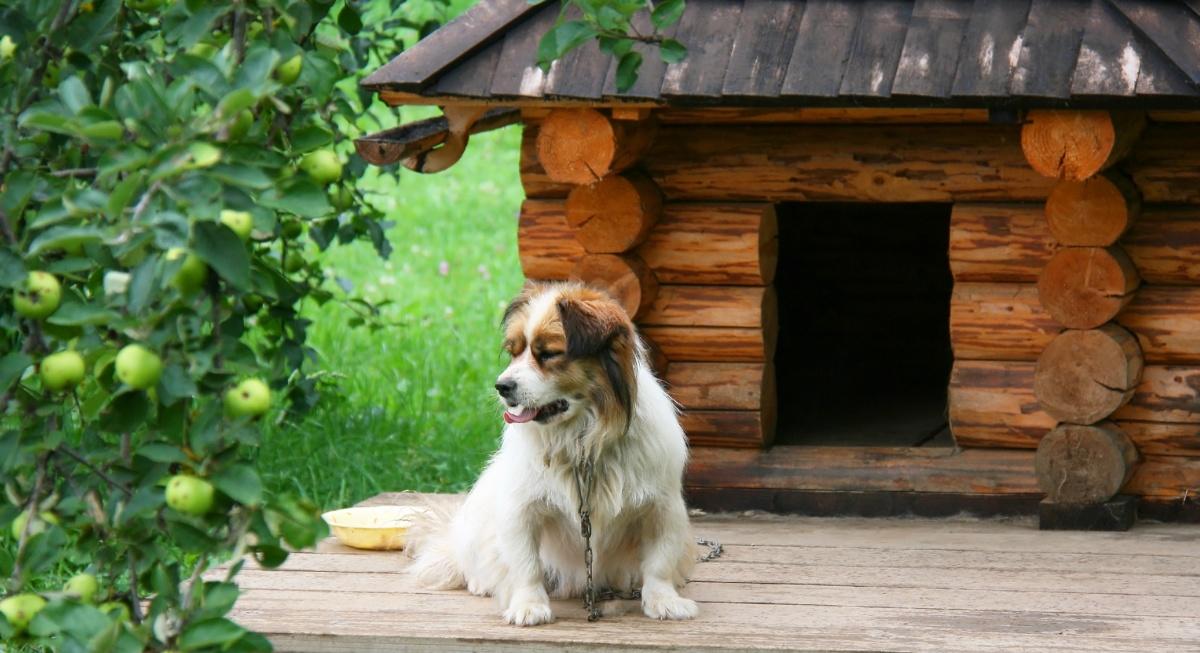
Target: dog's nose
506, 387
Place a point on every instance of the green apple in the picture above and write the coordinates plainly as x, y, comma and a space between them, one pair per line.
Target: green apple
62, 370
241, 222
38, 525
192, 272
202, 49
138, 367
204, 155
83, 587
289, 71
105, 130
250, 398
39, 297
293, 262
237, 128
7, 48
189, 495
252, 302
20, 609
291, 229
116, 609
323, 166
341, 198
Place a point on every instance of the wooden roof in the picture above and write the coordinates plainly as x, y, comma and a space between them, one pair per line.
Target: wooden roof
836, 52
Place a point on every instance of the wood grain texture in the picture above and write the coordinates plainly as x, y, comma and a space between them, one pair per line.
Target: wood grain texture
1094, 212
1084, 287
991, 404
700, 343
729, 429
843, 163
721, 386
582, 146
712, 306
998, 242
999, 321
723, 244
614, 214
1084, 465
1163, 476
1165, 164
547, 245
1076, 145
1166, 321
534, 180
1011, 243
904, 469
1167, 393
1084, 376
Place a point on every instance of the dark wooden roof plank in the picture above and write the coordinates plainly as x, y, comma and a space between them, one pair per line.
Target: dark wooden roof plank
1172, 27
580, 73
931, 47
990, 48
1049, 48
1158, 75
765, 38
650, 76
414, 68
472, 77
822, 48
877, 46
517, 73
707, 28
1110, 57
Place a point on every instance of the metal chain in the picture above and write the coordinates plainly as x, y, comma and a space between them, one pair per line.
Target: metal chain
583, 485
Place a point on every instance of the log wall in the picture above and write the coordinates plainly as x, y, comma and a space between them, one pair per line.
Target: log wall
713, 251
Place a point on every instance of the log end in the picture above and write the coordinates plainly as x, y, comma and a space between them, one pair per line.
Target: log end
1068, 144
626, 278
1094, 212
1084, 287
1079, 465
614, 214
1085, 376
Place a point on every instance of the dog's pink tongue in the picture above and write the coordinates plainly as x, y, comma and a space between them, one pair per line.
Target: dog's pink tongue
523, 414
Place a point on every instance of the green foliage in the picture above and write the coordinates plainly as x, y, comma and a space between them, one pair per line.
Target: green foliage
614, 26
150, 161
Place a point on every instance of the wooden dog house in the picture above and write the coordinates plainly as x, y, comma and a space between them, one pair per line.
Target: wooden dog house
893, 255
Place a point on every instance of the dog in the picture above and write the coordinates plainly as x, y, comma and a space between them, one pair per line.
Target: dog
578, 391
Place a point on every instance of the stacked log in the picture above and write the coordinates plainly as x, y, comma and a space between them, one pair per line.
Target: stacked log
695, 276
1092, 369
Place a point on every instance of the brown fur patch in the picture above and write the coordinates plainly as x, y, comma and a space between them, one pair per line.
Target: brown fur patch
600, 345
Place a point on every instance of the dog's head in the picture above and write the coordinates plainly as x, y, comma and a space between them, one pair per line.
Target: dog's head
573, 353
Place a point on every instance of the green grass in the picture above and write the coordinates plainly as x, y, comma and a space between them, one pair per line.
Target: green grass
416, 410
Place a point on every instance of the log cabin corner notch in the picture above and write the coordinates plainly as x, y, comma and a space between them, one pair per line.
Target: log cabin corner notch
830, 206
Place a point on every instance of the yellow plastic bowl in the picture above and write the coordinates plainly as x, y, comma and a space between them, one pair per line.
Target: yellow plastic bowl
375, 527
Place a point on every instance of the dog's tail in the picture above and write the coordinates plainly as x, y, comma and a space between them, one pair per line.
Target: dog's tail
431, 545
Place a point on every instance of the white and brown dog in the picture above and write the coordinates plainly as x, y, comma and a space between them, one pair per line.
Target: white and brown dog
578, 388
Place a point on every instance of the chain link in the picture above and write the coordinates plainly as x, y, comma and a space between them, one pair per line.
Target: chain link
584, 481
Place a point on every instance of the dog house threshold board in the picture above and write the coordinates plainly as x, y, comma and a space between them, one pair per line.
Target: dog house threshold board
829, 480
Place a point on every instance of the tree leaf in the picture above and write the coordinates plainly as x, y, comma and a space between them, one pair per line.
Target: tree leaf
209, 633
672, 51
12, 269
161, 452
301, 197
310, 137
241, 483
223, 251
175, 385
349, 20
125, 412
666, 13
627, 71
12, 365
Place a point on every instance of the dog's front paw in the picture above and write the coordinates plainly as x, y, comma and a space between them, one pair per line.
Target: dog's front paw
669, 606
528, 613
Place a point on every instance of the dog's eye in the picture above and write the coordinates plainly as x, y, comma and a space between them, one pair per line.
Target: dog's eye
544, 356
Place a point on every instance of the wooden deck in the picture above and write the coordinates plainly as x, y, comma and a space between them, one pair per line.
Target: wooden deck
788, 583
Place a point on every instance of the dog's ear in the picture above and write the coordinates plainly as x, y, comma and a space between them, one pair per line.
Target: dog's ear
596, 326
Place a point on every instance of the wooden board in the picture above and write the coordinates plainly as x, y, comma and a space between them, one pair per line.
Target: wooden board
815, 115
765, 37
999, 321
826, 34
844, 163
801, 584
749, 429
871, 65
701, 343
713, 306
721, 386
1049, 48
706, 28
548, 249
931, 48
991, 47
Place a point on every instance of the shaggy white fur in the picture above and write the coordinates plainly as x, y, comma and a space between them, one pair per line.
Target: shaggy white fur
517, 535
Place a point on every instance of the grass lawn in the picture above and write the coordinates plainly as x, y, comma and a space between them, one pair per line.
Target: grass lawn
417, 410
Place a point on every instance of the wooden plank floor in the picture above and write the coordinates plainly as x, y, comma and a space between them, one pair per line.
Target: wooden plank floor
788, 583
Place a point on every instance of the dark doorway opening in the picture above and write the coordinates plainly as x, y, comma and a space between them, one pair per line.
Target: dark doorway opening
864, 352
